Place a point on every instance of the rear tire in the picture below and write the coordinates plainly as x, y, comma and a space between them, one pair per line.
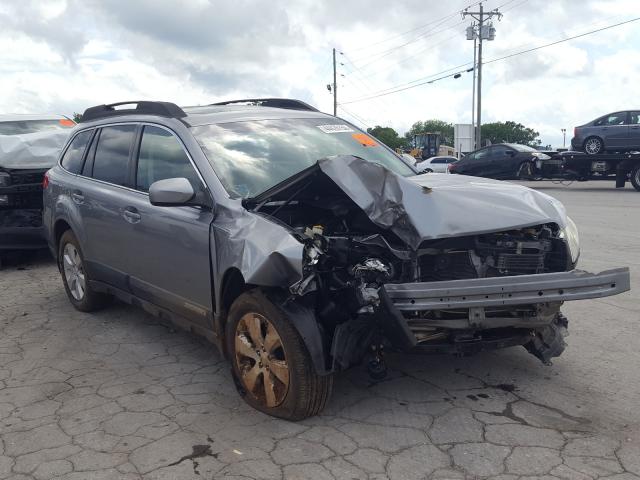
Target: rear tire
593, 146
261, 340
635, 178
75, 278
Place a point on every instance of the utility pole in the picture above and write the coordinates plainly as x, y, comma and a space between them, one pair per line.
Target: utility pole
335, 86
483, 32
473, 92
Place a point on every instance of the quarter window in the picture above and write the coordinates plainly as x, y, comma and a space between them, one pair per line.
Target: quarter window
112, 154
72, 158
162, 156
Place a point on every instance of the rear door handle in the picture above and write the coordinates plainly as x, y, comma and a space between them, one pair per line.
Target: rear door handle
131, 215
77, 196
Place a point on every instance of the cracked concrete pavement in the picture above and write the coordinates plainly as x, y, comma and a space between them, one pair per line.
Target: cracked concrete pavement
117, 395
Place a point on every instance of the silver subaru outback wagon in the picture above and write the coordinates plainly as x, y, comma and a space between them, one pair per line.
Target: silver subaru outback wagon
301, 246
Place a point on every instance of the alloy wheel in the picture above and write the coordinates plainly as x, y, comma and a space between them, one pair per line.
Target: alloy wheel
261, 360
593, 146
74, 272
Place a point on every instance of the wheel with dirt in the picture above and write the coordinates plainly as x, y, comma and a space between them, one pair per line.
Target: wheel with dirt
75, 278
635, 178
593, 146
271, 365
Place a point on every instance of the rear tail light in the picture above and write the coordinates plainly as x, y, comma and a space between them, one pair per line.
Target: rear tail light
45, 181
452, 167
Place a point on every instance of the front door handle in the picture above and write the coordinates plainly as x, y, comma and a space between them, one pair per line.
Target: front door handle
131, 215
77, 196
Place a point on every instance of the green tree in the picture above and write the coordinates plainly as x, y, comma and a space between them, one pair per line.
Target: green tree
387, 135
432, 126
77, 117
510, 132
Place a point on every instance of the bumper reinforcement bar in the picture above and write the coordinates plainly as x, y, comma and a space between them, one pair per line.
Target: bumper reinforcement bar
504, 291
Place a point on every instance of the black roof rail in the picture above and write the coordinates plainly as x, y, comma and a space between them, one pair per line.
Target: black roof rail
288, 103
161, 109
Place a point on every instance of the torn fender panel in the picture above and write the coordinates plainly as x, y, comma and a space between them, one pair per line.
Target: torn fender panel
435, 206
32, 150
265, 253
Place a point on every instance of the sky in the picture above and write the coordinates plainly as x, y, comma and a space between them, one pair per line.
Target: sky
62, 56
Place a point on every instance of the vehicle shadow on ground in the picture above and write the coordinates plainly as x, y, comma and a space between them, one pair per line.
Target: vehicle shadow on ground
25, 259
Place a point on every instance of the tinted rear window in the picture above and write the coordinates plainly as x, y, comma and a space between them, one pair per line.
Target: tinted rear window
32, 126
112, 154
72, 158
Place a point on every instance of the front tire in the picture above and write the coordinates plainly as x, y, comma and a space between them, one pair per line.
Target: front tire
270, 363
593, 146
74, 276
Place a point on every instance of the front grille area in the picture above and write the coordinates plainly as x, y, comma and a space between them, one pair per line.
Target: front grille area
27, 177
520, 264
521, 252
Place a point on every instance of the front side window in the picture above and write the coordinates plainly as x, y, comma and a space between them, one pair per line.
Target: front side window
635, 118
112, 154
162, 156
250, 157
72, 158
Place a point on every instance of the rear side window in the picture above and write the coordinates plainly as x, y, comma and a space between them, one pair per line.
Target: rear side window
619, 118
162, 156
112, 154
72, 158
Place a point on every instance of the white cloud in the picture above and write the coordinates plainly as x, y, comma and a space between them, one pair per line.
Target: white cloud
63, 56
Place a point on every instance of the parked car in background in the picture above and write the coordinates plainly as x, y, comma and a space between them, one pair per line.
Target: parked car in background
435, 164
618, 131
29, 146
302, 246
501, 161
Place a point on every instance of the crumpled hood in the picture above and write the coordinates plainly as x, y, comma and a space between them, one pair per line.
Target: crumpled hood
32, 150
434, 206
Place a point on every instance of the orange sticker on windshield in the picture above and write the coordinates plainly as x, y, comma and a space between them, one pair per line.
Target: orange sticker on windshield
65, 122
365, 140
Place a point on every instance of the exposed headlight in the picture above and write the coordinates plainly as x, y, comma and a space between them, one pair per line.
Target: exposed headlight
5, 179
570, 234
540, 156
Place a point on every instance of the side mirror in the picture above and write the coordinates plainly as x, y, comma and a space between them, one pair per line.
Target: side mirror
172, 192
510, 153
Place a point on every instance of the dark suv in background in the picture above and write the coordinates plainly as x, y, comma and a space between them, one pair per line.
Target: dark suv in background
619, 131
302, 246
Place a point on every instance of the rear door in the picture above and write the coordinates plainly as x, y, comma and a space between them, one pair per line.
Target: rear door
101, 195
614, 129
634, 130
169, 256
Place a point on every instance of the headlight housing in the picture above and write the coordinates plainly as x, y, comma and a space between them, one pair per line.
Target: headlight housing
570, 234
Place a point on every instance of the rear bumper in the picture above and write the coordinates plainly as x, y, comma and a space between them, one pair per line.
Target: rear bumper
476, 301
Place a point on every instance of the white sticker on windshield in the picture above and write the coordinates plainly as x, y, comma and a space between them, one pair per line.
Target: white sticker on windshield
335, 128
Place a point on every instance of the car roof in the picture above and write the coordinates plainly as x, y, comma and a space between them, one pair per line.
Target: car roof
21, 117
212, 114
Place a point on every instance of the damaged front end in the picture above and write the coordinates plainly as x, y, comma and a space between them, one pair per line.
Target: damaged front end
21, 209
455, 267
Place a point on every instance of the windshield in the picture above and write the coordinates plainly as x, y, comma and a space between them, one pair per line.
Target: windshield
21, 127
521, 148
250, 157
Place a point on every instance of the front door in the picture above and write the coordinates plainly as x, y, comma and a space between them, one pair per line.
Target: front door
168, 258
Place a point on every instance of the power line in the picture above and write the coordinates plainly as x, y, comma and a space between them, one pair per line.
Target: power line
420, 27
413, 84
563, 40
